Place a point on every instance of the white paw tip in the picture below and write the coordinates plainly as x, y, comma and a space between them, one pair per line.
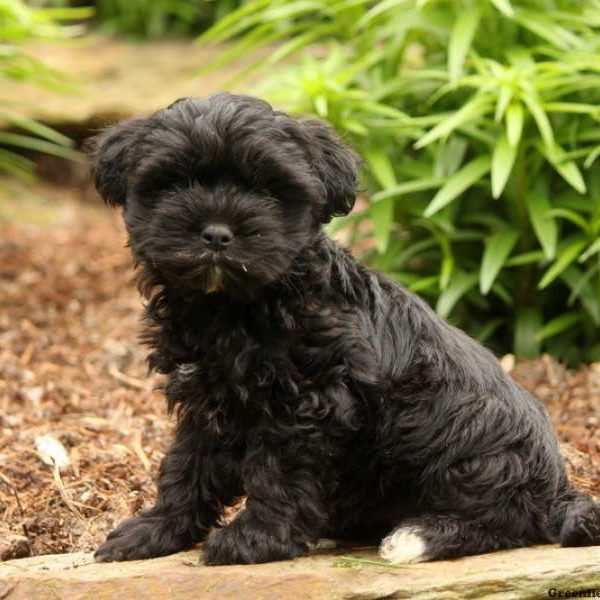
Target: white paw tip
403, 545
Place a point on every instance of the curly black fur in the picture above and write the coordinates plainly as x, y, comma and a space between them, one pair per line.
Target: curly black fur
331, 397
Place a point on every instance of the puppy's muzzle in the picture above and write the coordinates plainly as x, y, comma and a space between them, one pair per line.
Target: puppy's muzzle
216, 237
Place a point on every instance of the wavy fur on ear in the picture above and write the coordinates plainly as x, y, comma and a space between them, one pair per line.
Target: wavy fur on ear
338, 168
111, 153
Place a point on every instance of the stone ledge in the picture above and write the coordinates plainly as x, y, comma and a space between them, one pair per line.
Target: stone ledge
522, 573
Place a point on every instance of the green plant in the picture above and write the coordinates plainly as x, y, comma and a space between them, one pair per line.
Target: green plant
159, 18
19, 24
479, 122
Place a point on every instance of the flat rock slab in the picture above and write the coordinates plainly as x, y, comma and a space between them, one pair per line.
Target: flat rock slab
523, 573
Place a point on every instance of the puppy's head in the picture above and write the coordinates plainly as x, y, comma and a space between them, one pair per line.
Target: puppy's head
222, 193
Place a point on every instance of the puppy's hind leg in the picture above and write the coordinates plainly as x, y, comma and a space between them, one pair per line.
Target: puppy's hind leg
435, 537
577, 519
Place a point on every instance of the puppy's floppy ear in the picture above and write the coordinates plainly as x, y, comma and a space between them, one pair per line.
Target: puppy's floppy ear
338, 167
111, 154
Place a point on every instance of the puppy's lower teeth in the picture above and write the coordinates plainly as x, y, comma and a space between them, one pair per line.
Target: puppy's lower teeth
245, 268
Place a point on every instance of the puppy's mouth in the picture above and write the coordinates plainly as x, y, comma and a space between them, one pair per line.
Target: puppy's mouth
213, 279
210, 272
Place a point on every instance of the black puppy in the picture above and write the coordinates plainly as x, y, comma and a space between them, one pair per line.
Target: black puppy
331, 397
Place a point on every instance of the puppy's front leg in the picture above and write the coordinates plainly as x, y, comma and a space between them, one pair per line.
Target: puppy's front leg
197, 479
285, 508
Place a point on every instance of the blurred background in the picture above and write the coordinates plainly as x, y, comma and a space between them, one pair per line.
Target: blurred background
479, 125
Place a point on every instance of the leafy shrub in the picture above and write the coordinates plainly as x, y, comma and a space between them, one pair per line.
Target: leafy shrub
159, 18
479, 124
19, 24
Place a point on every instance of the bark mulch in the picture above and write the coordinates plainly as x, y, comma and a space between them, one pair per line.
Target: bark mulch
74, 390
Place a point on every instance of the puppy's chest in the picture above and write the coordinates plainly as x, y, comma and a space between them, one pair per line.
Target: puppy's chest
251, 368
241, 363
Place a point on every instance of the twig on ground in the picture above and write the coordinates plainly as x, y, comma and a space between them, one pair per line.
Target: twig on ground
126, 379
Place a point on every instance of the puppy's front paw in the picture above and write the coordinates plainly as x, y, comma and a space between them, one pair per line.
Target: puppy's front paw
244, 543
141, 537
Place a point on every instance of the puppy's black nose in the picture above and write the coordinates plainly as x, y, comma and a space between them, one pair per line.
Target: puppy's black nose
216, 237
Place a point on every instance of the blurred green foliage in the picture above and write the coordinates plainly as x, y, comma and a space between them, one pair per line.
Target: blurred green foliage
160, 18
143, 19
479, 124
22, 22
19, 24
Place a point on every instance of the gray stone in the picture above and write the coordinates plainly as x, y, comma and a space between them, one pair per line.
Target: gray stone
523, 573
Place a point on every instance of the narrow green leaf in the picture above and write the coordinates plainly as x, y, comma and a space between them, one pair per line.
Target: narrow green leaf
593, 249
591, 157
38, 129
341, 223
470, 112
531, 99
71, 13
235, 22
261, 34
382, 214
463, 179
558, 325
505, 96
294, 9
497, 250
414, 249
355, 127
446, 270
295, 43
584, 281
544, 225
527, 258
588, 297
408, 187
500, 290
527, 324
567, 169
423, 283
574, 201
572, 107
461, 283
547, 28
503, 160
505, 7
485, 331
461, 38
565, 258
39, 145
572, 175
321, 106
381, 167
449, 156
380, 8
514, 123
572, 216
16, 165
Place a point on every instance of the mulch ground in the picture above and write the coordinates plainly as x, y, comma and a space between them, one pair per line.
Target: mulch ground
73, 389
